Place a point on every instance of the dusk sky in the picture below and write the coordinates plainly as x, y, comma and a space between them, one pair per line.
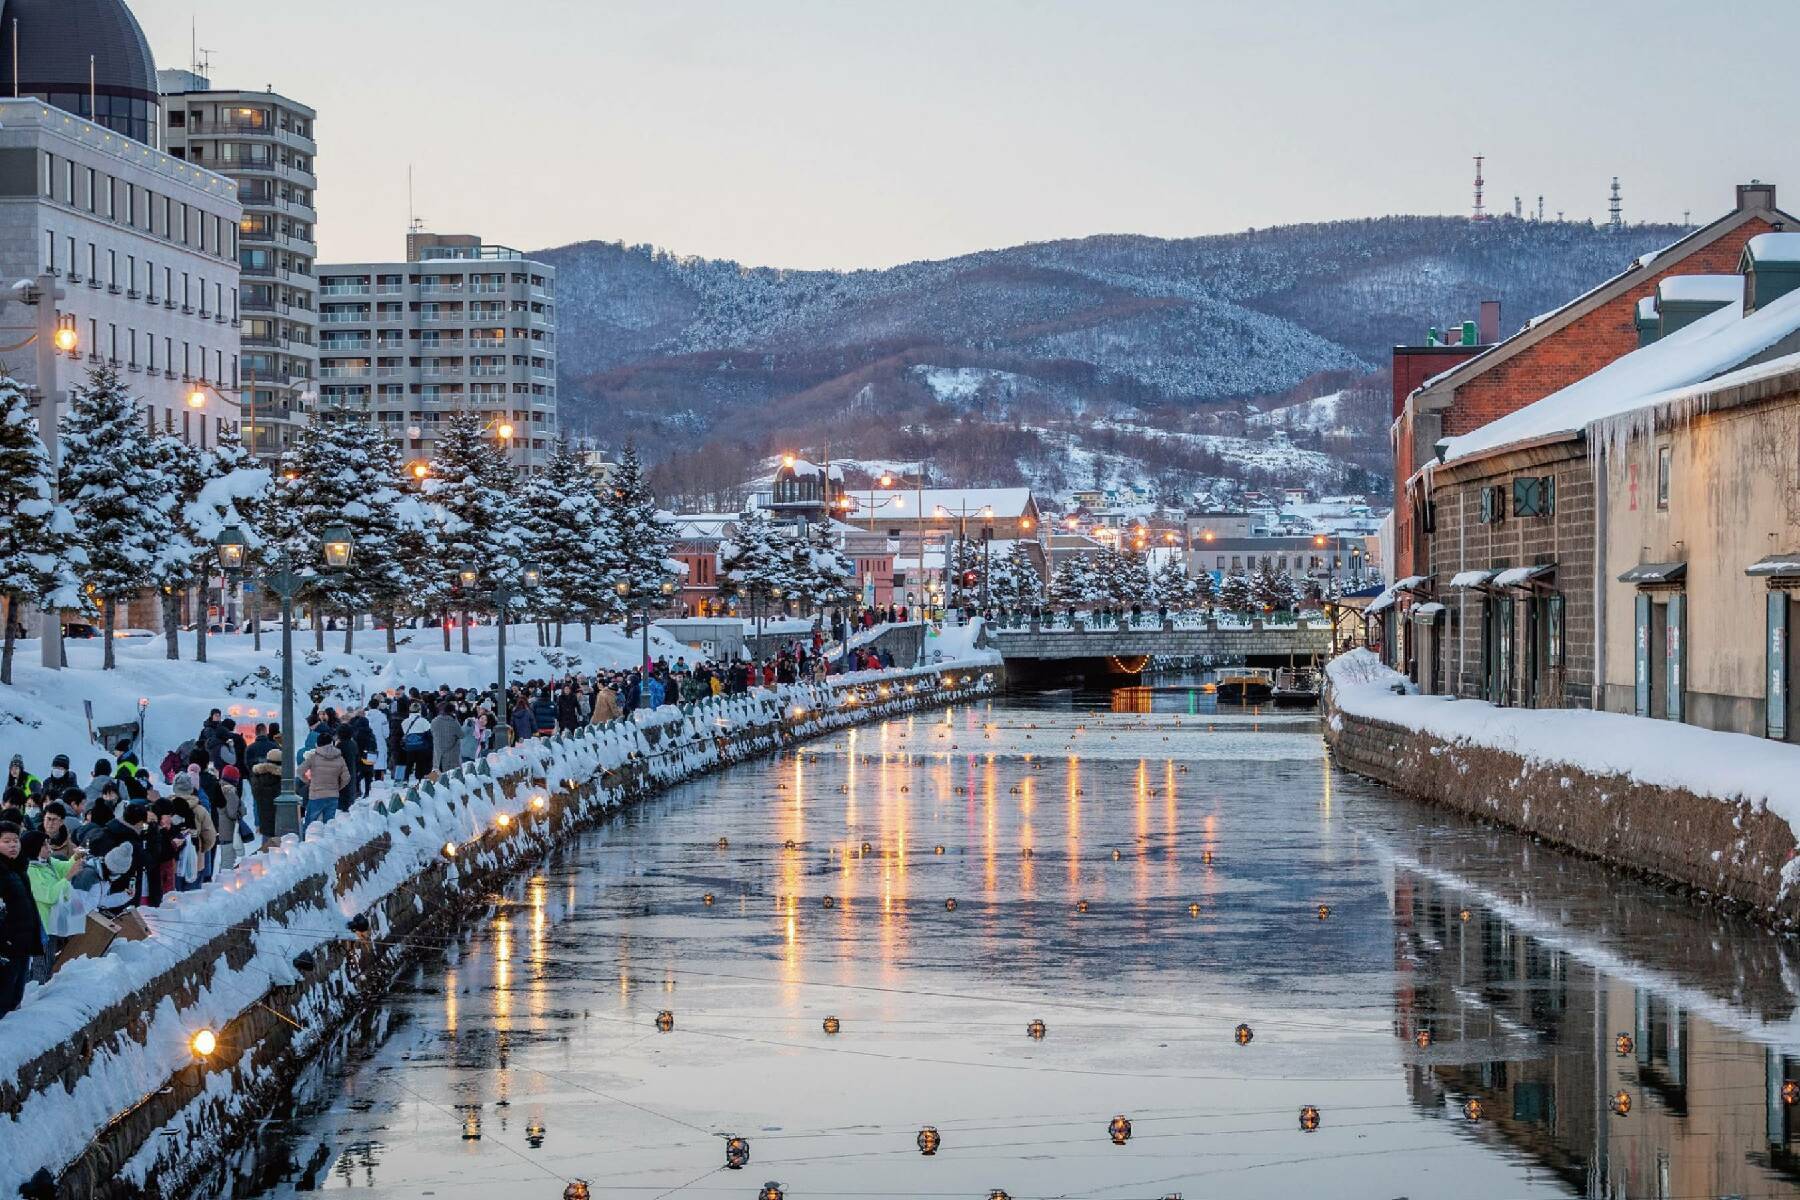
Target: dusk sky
813, 134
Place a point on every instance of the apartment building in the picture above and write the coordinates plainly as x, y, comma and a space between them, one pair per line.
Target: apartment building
460, 324
264, 142
144, 247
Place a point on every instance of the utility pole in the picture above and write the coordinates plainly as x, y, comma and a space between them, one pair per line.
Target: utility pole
44, 294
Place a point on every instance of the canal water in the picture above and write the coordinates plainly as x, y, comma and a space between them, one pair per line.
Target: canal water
1468, 1013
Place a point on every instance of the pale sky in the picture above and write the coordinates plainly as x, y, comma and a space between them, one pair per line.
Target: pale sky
853, 133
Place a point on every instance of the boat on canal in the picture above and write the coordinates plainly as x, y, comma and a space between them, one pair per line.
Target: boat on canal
1245, 685
1297, 687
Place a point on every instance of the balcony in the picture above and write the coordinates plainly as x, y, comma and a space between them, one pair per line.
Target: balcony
390, 289
343, 372
435, 345
344, 318
489, 371
338, 346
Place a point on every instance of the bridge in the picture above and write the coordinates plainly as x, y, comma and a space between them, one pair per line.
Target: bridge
1126, 648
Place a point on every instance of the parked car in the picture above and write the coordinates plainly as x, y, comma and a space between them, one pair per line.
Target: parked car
80, 630
135, 633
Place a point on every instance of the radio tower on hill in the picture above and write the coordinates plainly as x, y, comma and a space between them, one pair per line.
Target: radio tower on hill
1615, 209
1480, 209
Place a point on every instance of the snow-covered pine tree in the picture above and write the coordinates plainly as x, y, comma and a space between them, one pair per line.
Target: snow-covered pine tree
473, 487
40, 558
324, 482
1014, 582
963, 573
1271, 590
1172, 587
638, 543
1122, 578
1235, 594
182, 558
120, 497
394, 563
563, 516
823, 574
755, 562
1205, 592
1073, 582
237, 492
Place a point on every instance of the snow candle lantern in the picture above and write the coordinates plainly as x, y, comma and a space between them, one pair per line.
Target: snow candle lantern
577, 1190
929, 1141
1472, 1110
1244, 1034
832, 1025
1036, 1030
1309, 1118
1119, 1129
1621, 1103
1622, 1044
770, 1191
665, 1021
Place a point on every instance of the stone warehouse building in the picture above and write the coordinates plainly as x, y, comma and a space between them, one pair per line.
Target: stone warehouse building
1553, 351
459, 325
1565, 537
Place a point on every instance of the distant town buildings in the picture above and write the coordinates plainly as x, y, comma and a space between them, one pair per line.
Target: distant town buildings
459, 324
264, 143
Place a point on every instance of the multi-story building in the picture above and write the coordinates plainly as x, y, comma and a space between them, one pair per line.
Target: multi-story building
460, 325
143, 246
264, 142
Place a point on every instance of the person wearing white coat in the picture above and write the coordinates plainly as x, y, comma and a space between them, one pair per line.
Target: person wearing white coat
378, 725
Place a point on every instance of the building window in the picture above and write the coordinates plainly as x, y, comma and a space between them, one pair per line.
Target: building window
1664, 465
1534, 496
1493, 505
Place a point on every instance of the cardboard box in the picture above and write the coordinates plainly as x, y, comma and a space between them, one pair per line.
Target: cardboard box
101, 932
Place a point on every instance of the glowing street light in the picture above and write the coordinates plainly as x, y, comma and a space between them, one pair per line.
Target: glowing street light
204, 1043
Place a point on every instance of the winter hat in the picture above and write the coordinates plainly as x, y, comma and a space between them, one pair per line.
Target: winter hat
273, 756
61, 760
183, 785
230, 774
117, 861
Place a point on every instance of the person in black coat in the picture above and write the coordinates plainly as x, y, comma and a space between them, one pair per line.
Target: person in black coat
543, 713
21, 933
122, 872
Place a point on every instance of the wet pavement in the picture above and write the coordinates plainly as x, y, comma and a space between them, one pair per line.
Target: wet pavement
1141, 872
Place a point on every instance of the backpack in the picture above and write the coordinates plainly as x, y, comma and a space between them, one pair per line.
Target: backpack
227, 754
416, 740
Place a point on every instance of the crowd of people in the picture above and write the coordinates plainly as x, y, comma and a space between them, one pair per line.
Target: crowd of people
131, 834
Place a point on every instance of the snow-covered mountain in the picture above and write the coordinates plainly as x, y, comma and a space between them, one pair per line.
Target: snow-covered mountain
679, 352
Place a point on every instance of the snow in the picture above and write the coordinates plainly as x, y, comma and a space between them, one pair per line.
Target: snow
1006, 502
1701, 288
959, 385
1318, 415
1714, 344
1774, 247
1514, 576
1427, 610
1728, 767
1469, 579
1646, 308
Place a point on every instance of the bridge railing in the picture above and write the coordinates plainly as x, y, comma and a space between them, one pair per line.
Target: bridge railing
1100, 622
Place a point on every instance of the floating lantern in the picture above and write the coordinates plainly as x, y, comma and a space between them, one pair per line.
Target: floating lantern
1025, 852
1621, 1103
1324, 911
707, 899
929, 1141
1036, 1030
828, 902
534, 1134
471, 1130
737, 1153
665, 1021
788, 845
1472, 1110
1423, 1039
577, 1190
1244, 1035
950, 904
937, 849
831, 1025
1117, 856
997, 1194
867, 849
1309, 1118
1206, 857
1081, 906
204, 1043
724, 843
1119, 1129
770, 1191
1194, 909
1622, 1044
1790, 1091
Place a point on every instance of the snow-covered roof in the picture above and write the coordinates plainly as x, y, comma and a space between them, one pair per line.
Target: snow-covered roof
1515, 576
1469, 579
1646, 309
1774, 248
1722, 289
810, 470
1426, 612
1709, 347
1006, 502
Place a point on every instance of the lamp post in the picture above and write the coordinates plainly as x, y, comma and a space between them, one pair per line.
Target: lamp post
643, 597
337, 551
503, 594
53, 335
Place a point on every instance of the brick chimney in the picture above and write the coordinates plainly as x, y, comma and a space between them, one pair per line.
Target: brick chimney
1487, 324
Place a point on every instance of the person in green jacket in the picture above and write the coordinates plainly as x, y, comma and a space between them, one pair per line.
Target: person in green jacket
49, 876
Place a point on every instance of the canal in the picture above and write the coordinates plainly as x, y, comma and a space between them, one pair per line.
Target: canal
1468, 1013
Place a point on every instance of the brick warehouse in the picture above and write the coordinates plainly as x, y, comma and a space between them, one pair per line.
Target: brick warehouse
1551, 353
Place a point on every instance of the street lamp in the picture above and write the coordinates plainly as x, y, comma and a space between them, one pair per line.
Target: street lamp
338, 552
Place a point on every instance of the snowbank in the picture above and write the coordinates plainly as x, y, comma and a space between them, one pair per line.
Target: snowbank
1728, 767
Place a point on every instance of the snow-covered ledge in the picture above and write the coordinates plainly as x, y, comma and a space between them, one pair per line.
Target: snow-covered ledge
97, 1066
1711, 811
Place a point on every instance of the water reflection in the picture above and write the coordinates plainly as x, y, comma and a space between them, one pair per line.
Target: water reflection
1233, 811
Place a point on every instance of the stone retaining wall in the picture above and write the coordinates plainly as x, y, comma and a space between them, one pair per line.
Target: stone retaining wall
171, 1137
1734, 853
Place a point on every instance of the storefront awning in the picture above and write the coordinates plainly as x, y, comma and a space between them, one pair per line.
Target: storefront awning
1776, 566
1646, 573
1425, 614
1524, 576
1471, 579
1381, 603
1413, 583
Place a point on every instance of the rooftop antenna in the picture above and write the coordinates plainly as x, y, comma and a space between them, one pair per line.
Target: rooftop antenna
15, 48
1540, 215
1518, 206
1615, 208
1686, 215
413, 224
1480, 212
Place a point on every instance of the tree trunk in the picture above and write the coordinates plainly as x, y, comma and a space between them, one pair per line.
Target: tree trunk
349, 631
587, 629
445, 623
256, 618
465, 631
6, 654
318, 624
393, 645
559, 626
200, 628
171, 621
109, 615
